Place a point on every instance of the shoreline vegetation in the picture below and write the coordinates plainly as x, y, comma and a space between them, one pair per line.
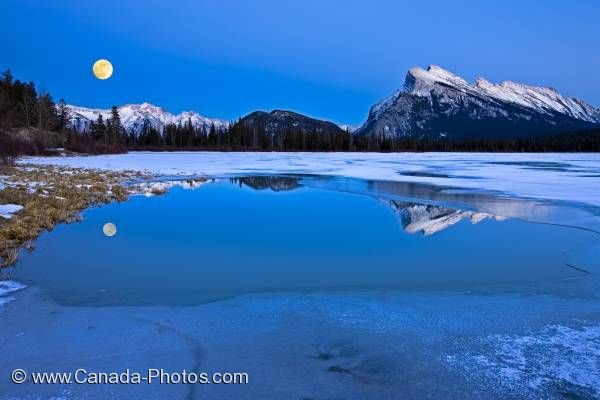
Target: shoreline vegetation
31, 123
44, 196
51, 195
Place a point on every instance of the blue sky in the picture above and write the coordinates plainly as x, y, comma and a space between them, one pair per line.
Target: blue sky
328, 59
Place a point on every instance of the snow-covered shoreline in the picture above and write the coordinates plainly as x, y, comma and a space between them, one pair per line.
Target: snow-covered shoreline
550, 176
6, 288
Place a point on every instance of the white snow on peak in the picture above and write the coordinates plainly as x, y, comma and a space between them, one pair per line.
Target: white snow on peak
545, 100
433, 73
541, 99
134, 116
422, 83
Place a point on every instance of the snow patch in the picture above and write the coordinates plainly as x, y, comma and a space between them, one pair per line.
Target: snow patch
7, 287
555, 353
150, 189
7, 210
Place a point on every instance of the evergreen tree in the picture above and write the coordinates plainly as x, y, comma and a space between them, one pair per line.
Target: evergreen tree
212, 135
7, 78
98, 129
63, 116
6, 84
115, 129
46, 112
27, 102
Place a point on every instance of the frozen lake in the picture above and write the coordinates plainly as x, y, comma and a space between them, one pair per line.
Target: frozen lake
562, 176
322, 287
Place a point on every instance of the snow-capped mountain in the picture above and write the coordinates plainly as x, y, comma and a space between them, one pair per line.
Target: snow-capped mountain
436, 102
430, 219
135, 116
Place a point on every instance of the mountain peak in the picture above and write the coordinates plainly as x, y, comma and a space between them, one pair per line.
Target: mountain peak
143, 107
276, 120
135, 116
283, 113
420, 81
434, 73
481, 82
435, 101
442, 73
541, 99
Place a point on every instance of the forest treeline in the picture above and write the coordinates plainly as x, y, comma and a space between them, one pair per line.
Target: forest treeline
31, 122
242, 137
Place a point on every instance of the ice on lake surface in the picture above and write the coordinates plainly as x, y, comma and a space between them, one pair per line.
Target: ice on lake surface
561, 176
319, 288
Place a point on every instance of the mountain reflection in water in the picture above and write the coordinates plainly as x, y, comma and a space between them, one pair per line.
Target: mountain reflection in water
414, 216
430, 219
210, 239
275, 183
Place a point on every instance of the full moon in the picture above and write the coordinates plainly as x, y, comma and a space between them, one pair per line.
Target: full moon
103, 69
109, 229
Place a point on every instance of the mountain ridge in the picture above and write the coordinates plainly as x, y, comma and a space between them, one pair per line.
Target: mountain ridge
433, 102
135, 116
277, 120
436, 102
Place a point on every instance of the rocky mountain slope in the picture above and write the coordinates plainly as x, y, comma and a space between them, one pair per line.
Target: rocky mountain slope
437, 103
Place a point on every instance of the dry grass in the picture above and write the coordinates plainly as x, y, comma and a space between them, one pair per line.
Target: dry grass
52, 195
157, 191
